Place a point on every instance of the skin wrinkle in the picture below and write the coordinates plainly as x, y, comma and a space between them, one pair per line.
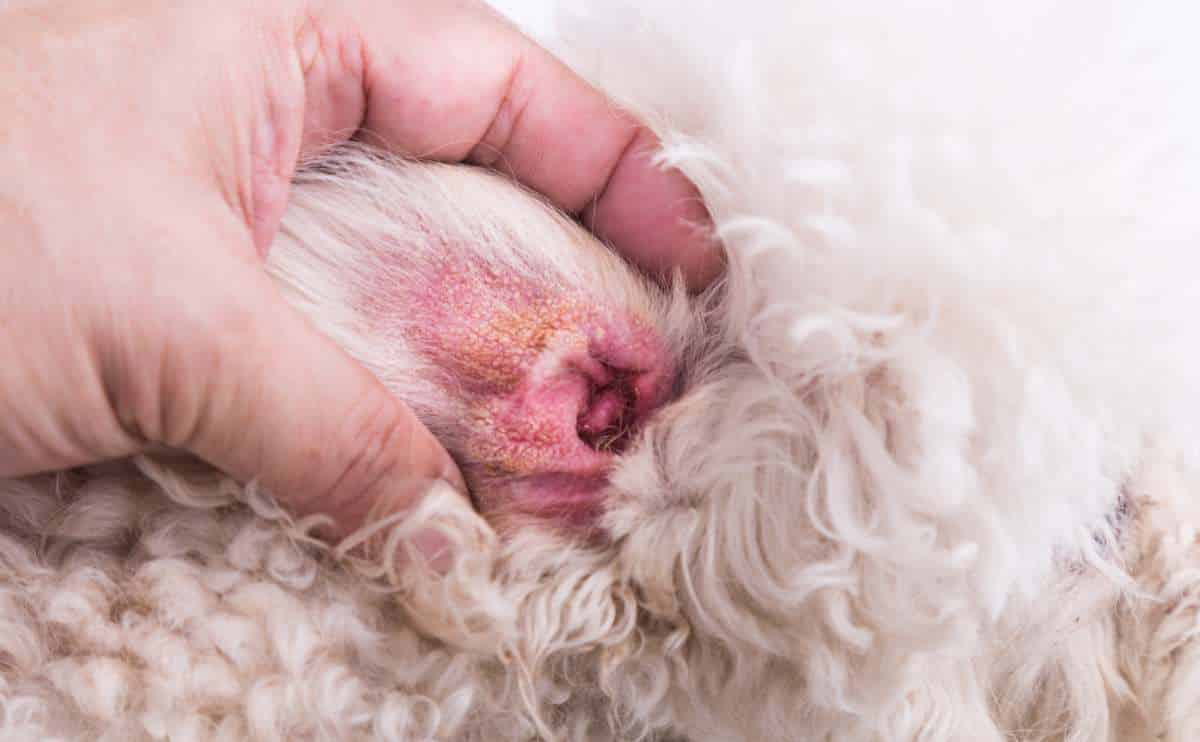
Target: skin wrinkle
373, 463
333, 65
277, 139
507, 119
616, 215
405, 92
588, 211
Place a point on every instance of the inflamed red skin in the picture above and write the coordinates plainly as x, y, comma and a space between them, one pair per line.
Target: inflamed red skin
555, 383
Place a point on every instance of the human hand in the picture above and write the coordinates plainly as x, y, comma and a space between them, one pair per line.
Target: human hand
145, 156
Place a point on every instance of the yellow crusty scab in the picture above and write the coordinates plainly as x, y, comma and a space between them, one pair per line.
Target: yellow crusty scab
491, 334
488, 331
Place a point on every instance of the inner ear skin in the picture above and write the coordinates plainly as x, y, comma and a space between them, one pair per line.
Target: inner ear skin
531, 349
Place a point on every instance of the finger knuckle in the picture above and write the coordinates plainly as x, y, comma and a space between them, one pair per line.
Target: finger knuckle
171, 372
373, 452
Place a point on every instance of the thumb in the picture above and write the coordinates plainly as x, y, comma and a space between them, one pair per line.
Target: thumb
290, 409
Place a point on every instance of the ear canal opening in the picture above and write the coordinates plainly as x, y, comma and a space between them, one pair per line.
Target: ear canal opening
609, 418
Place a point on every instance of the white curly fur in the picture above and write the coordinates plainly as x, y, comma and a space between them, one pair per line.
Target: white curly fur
931, 476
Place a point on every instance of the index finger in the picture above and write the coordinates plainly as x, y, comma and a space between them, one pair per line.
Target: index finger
454, 81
